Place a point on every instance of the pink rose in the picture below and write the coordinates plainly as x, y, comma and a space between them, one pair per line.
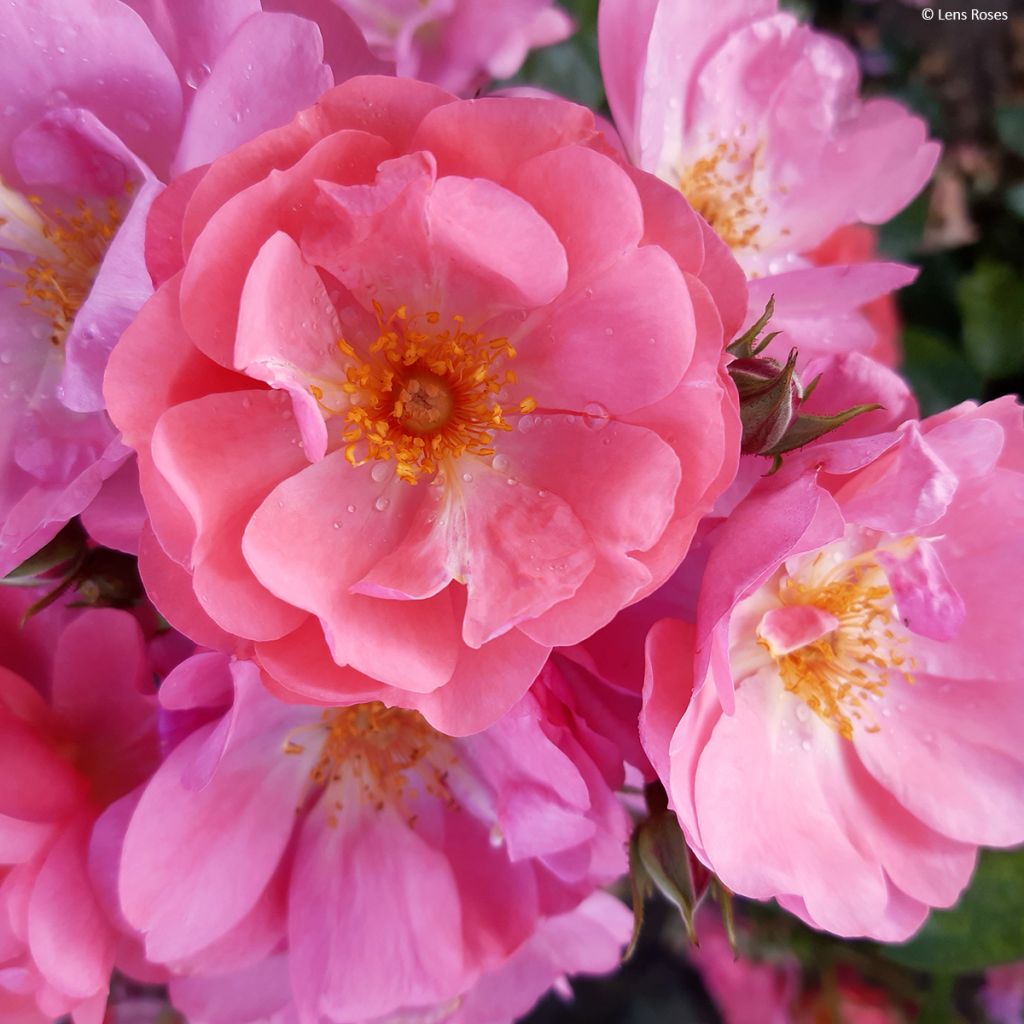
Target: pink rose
104, 101
458, 44
77, 733
353, 862
756, 119
840, 729
436, 389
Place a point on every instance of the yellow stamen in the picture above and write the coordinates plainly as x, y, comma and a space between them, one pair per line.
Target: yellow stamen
68, 249
384, 751
720, 187
426, 395
837, 674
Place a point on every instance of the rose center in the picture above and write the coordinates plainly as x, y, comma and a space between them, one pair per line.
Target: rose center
427, 393
425, 403
720, 187
67, 249
835, 640
382, 754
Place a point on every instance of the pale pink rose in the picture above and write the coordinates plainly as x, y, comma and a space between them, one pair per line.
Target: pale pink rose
840, 728
756, 119
608, 667
437, 389
1003, 994
77, 719
353, 862
102, 103
458, 44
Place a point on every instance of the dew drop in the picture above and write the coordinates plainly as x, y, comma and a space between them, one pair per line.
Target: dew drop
500, 463
511, 481
194, 77
595, 416
381, 471
336, 525
802, 712
496, 837
806, 745
526, 423
381, 503
351, 508
468, 477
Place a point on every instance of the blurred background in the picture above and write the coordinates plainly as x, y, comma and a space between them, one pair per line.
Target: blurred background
963, 338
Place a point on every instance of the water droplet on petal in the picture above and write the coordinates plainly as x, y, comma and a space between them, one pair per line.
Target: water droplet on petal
500, 463
802, 712
194, 77
496, 837
381, 503
467, 477
336, 525
381, 471
806, 745
595, 416
511, 481
351, 508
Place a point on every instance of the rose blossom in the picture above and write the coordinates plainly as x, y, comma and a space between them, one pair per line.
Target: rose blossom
756, 119
839, 730
104, 101
436, 390
458, 44
78, 732
354, 863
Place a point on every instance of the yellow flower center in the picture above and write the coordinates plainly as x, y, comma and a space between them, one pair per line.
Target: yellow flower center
720, 187
847, 664
427, 394
68, 248
384, 751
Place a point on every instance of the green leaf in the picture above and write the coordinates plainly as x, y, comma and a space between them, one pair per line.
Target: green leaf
991, 300
937, 371
1010, 127
985, 928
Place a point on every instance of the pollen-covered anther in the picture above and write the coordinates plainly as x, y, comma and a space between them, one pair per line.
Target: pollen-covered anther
835, 641
67, 249
426, 394
387, 754
720, 187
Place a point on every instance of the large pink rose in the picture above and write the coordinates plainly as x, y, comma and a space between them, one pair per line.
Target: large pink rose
104, 101
77, 732
431, 387
354, 863
840, 728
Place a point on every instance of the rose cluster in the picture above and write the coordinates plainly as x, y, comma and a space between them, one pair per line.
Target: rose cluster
469, 493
